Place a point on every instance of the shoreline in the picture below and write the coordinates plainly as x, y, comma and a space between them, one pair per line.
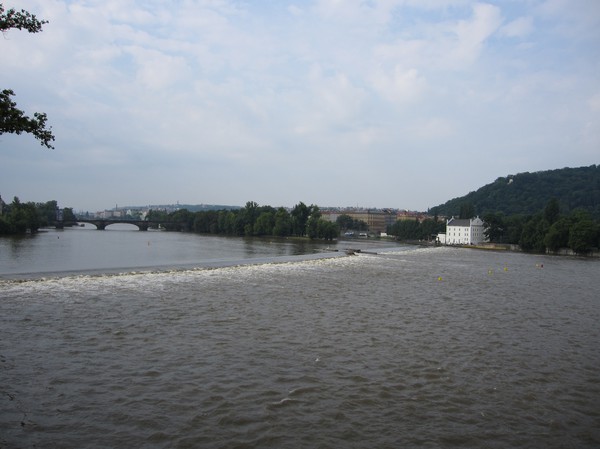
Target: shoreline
516, 249
510, 247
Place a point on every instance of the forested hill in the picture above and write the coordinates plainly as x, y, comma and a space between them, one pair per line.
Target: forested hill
528, 193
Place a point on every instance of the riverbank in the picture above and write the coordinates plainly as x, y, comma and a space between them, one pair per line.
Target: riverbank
517, 248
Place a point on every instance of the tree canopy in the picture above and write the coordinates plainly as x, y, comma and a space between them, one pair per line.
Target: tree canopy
546, 231
252, 220
18, 217
19, 20
12, 119
528, 193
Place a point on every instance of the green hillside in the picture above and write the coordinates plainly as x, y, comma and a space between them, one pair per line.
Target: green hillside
528, 193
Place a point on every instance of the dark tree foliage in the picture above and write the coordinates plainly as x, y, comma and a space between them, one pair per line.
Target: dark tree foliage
283, 223
68, 215
47, 212
534, 232
157, 215
495, 228
546, 231
557, 236
19, 218
12, 119
467, 211
327, 230
583, 234
414, 230
251, 220
299, 216
264, 224
528, 193
552, 211
347, 223
20, 20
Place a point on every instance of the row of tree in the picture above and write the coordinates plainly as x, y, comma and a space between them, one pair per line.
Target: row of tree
417, 230
19, 218
548, 230
545, 231
252, 220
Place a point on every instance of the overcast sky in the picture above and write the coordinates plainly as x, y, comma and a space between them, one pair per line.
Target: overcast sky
381, 103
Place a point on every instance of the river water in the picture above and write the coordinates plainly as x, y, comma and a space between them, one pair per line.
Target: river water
408, 347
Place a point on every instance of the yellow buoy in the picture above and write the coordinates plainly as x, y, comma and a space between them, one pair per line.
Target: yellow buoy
439, 278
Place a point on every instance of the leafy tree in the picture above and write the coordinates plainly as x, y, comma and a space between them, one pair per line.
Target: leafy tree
552, 211
22, 217
467, 210
18, 217
312, 223
157, 215
68, 215
227, 221
430, 228
180, 220
19, 20
534, 232
360, 225
583, 236
557, 236
47, 212
264, 223
240, 224
407, 230
513, 228
327, 230
283, 223
345, 222
299, 217
12, 119
5, 226
248, 216
206, 222
494, 227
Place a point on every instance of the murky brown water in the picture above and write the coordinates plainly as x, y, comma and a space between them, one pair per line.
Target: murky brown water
413, 348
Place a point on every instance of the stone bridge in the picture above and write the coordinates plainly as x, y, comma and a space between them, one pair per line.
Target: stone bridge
142, 225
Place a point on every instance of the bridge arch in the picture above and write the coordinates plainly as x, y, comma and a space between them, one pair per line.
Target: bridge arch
123, 226
101, 224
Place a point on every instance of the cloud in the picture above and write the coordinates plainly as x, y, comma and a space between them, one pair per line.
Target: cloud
520, 27
260, 100
594, 102
435, 129
157, 70
400, 86
470, 35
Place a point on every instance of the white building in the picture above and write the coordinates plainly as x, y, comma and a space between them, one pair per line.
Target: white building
464, 231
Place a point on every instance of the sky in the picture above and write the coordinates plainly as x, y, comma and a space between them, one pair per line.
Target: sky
377, 103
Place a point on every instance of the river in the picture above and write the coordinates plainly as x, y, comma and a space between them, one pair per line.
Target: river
125, 339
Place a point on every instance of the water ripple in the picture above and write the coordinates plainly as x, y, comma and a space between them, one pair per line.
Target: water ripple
361, 352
